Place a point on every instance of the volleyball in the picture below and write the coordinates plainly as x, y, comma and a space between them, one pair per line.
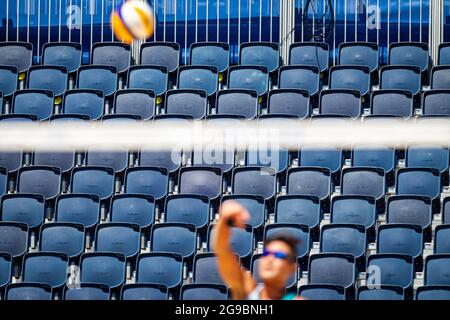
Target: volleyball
133, 20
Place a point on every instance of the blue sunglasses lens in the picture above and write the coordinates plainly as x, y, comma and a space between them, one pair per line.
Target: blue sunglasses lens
276, 254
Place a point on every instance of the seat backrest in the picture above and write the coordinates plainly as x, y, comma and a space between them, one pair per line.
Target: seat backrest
310, 53
52, 78
206, 269
65, 160
5, 269
8, 80
400, 239
147, 180
214, 54
343, 238
300, 77
133, 208
322, 292
28, 291
205, 181
350, 78
359, 54
363, 181
135, 101
103, 268
116, 54
103, 157
341, 102
433, 293
264, 54
78, 208
392, 269
297, 209
67, 54
144, 291
165, 54
381, 293
238, 102
332, 268
409, 54
191, 209
242, 241
11, 160
87, 291
102, 78
16, 54
39, 179
160, 268
353, 209
66, 238
419, 181
13, 238
204, 292
24, 208
268, 157
401, 77
190, 102
309, 181
434, 102
410, 210
198, 78
436, 270
118, 237
3, 181
260, 181
46, 267
153, 78
377, 156
293, 102
255, 205
98, 181
442, 239
440, 78
36, 102
249, 77
392, 102
84, 102
321, 156
177, 238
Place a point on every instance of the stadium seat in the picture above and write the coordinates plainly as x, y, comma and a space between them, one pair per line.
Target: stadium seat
198, 78
187, 208
310, 54
195, 291
364, 54
242, 241
24, 208
442, 239
84, 102
390, 269
353, 209
136, 102
255, 205
165, 54
409, 54
51, 78
375, 156
268, 157
8, 80
46, 267
433, 293
13, 238
436, 270
249, 77
98, 181
11, 160
296, 209
340, 102
116, 54
401, 77
5, 269
382, 292
419, 181
133, 208
16, 54
206, 181
309, 181
410, 209
39, 179
240, 102
363, 181
67, 238
88, 291
444, 54
65, 160
392, 102
300, 77
351, 78
332, 268
162, 268
180, 238
66, 54
291, 102
259, 181
343, 238
36, 102
327, 157
205, 269
446, 210
3, 181
406, 239
144, 291
189, 102
102, 78
322, 292
124, 238
440, 78
103, 268
291, 282
146, 77
151, 181
299, 232
213, 54
265, 54
434, 102
78, 208
17, 118
29, 291
103, 157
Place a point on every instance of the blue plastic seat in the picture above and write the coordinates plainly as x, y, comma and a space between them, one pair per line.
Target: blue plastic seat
8, 80
5, 269
39, 179
146, 77
143, 291
392, 102
390, 269
11, 160
446, 210
343, 238
205, 269
99, 156
409, 54
36, 102
410, 210
65, 160
14, 238
363, 181
66, 54
265, 54
401, 77
133, 208
162, 268
322, 292
189, 102
242, 241
165, 54
434, 102
255, 205
78, 208
249, 77
294, 102
295, 209
309, 181
136, 102
103, 268
101, 78
124, 238
84, 102
433, 293
67, 238
310, 54
46, 267
198, 78
383, 292
196, 291
340, 102
180, 238
363, 54
51, 78
351, 78
267, 157
240, 102
152, 181
199, 180
406, 239
258, 181
436, 270
291, 282
419, 181
332, 268
444, 53
98, 181
16, 54
300, 77
321, 156
11, 119
376, 156
3, 181
28, 291
297, 231
442, 239
87, 291
187, 208
116, 54
24, 208
213, 54
440, 78
353, 210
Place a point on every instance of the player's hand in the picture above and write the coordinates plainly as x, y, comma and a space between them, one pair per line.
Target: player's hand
231, 210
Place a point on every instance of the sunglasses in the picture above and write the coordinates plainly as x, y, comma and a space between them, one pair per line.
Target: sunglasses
276, 254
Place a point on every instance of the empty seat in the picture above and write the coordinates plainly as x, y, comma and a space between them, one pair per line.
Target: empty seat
177, 238
419, 181
392, 102
293, 102
198, 78
5, 269
205, 269
409, 54
147, 180
299, 232
322, 292
87, 291
213, 54
440, 78
3, 181
265, 54
136, 102
435, 102
66, 54
116, 54
165, 54
67, 238
153, 78
399, 238
401, 77
363, 54
65, 160
185, 208
51, 78
36, 102
436, 270
11, 119
24, 208
442, 239
376, 156
98, 181
300, 77
321, 156
205, 181
271, 157
249, 77
351, 78
444, 54
28, 291
103, 157
410, 210
240, 102
255, 206
162, 268
144, 291
290, 283
363, 181
390, 269
133, 208
84, 102
446, 210
340, 102
103, 268
259, 181
343, 238
332, 268
353, 210
46, 267
310, 54
242, 241
309, 181
11, 160
13, 238
39, 179
102, 78
382, 292
189, 102
118, 237
16, 54
296, 209
433, 293
8, 80
78, 208
196, 291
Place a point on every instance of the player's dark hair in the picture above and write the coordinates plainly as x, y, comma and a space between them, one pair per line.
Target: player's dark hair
287, 239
